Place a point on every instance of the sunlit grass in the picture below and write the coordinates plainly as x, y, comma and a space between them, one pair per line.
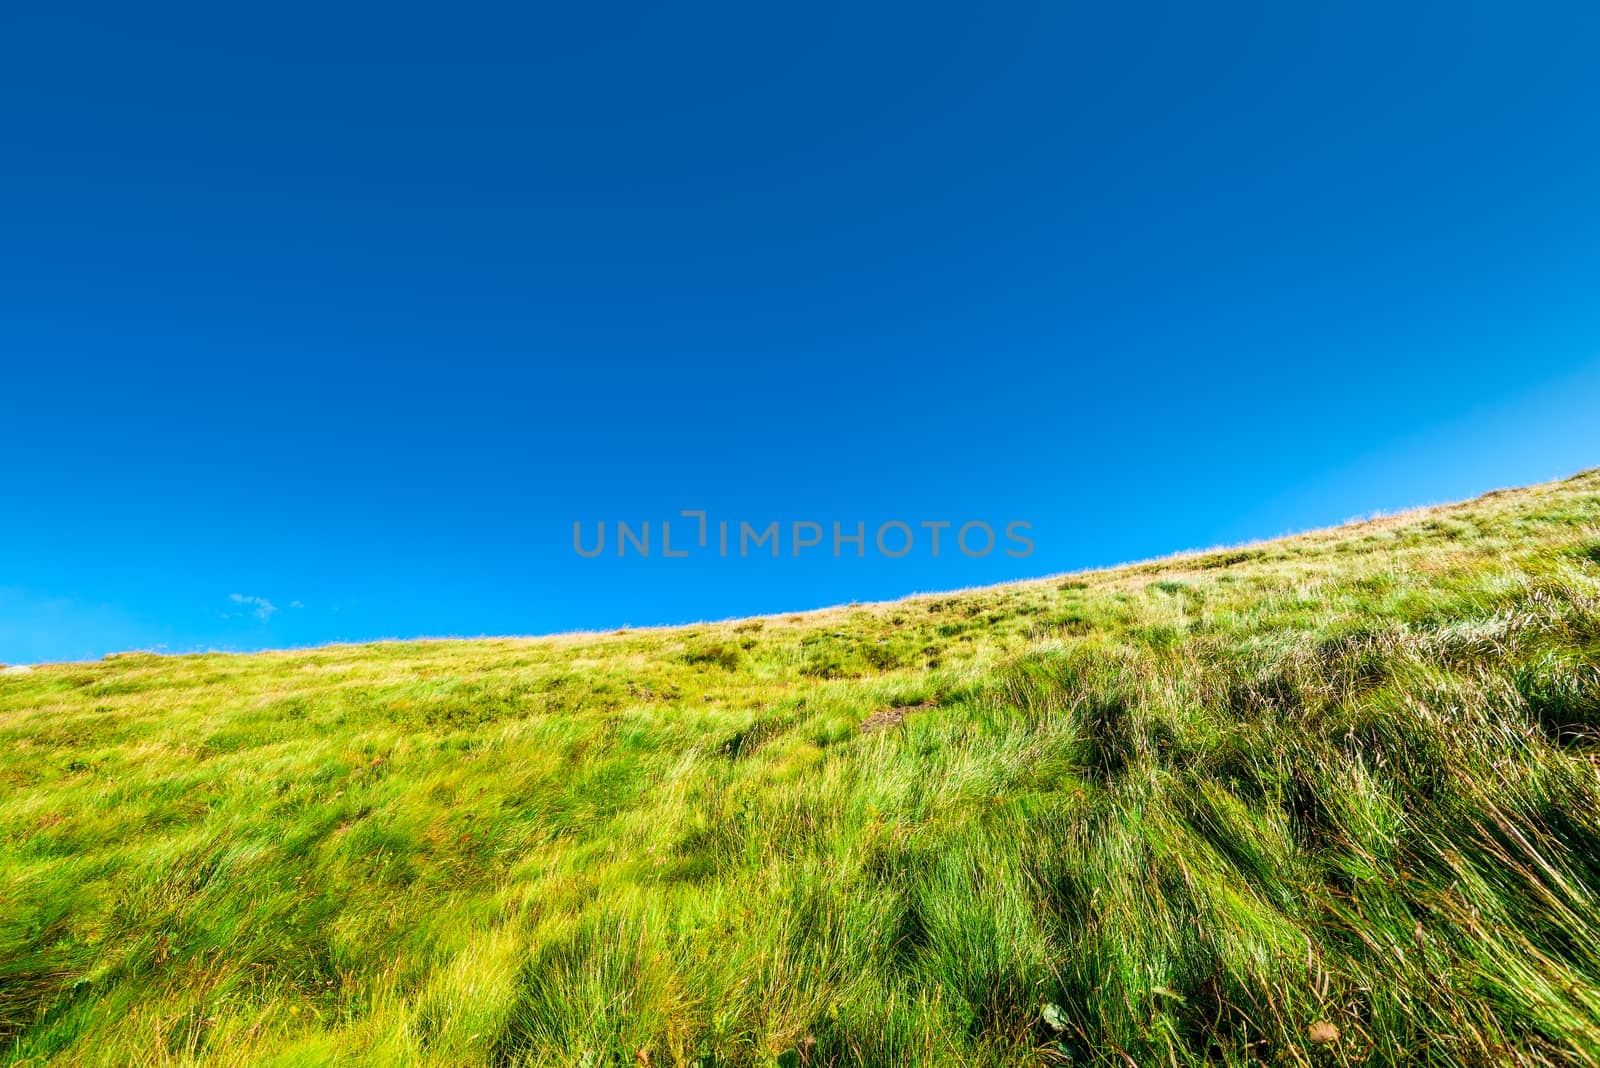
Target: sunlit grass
1331, 800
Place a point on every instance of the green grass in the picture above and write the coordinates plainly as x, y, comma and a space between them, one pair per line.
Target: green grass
1330, 800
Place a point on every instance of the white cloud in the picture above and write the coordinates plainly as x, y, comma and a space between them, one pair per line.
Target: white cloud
296, 604
259, 607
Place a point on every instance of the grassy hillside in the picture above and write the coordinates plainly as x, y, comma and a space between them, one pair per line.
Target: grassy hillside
1331, 800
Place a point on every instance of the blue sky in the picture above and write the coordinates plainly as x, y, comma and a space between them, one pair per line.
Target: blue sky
328, 322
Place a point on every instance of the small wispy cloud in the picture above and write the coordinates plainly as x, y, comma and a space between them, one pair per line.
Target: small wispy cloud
259, 607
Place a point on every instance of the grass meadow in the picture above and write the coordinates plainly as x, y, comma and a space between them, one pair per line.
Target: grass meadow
1328, 800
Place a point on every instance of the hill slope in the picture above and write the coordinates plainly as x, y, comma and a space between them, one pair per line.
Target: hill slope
1327, 800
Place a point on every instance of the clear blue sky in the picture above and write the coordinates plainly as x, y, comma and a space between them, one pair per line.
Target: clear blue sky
351, 311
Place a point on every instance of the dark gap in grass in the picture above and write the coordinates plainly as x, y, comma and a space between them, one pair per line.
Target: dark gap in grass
1564, 698
744, 742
